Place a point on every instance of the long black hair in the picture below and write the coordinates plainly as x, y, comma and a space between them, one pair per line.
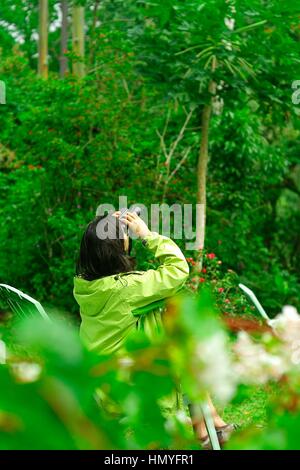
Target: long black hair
103, 257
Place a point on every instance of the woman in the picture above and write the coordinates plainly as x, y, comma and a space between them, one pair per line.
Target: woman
108, 289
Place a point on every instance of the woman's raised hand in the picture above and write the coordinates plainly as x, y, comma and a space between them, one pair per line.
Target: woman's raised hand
136, 224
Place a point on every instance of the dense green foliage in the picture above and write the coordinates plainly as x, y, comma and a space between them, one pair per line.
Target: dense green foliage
44, 405
132, 127
67, 146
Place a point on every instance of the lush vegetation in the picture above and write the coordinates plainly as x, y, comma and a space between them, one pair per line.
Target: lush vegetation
177, 102
69, 145
44, 404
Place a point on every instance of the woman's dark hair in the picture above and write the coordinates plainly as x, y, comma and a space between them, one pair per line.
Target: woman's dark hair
103, 257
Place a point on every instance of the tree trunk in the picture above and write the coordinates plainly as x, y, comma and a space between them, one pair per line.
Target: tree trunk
92, 34
63, 60
202, 166
78, 41
43, 39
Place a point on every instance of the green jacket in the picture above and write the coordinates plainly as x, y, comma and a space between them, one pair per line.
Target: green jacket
110, 307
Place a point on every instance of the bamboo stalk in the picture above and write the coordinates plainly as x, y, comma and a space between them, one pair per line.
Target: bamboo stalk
63, 60
78, 41
43, 39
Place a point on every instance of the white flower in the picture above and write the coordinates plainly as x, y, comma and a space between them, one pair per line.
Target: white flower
215, 372
217, 105
27, 371
255, 364
287, 325
229, 23
287, 328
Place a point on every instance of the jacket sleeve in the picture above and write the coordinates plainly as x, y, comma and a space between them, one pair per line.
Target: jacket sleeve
156, 284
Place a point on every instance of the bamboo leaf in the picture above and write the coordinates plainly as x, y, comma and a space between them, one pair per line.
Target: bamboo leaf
249, 27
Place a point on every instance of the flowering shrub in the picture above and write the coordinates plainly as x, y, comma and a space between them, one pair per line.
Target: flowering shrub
196, 352
273, 357
229, 299
277, 353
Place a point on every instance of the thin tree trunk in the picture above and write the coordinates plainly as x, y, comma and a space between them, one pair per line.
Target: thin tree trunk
78, 40
92, 34
43, 39
63, 60
202, 166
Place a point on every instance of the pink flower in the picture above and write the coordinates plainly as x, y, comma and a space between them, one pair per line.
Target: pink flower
204, 270
201, 279
210, 255
221, 289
